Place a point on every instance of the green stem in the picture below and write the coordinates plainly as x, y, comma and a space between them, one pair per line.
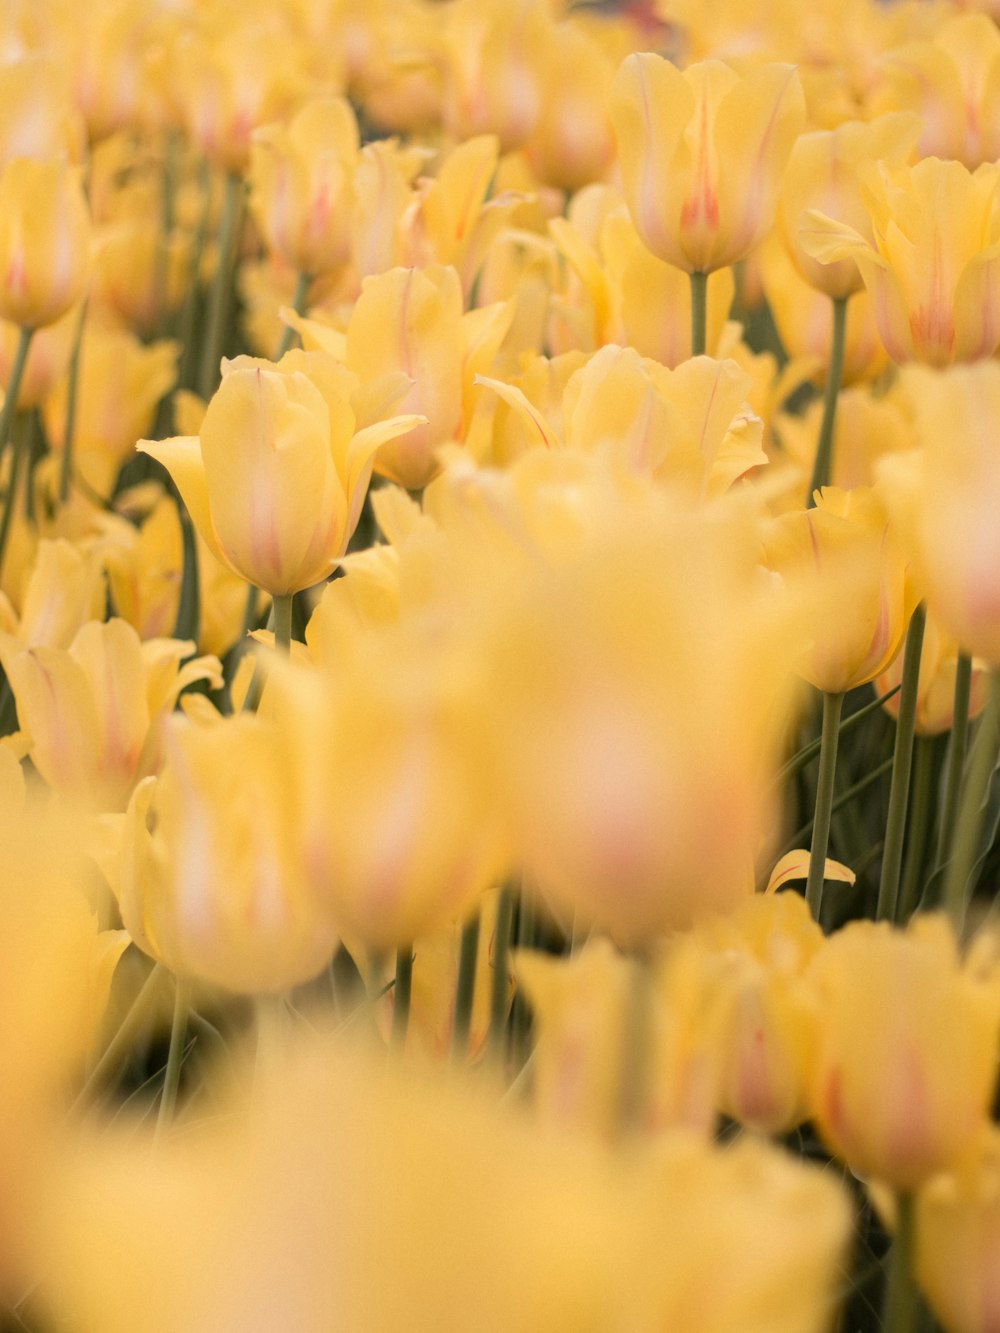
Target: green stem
21, 434
802, 757
465, 990
901, 1304
918, 827
699, 313
250, 612
823, 465
13, 386
298, 305
162, 271
72, 389
281, 616
843, 799
189, 308
832, 707
955, 762
172, 1073
899, 788
500, 985
982, 762
401, 998
218, 297
187, 626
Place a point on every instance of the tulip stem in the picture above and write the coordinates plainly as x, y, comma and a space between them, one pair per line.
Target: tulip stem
298, 305
281, 613
465, 990
982, 763
823, 465
13, 386
699, 313
69, 423
832, 707
218, 297
172, 1073
401, 998
189, 308
21, 437
901, 1305
957, 747
500, 985
916, 842
899, 788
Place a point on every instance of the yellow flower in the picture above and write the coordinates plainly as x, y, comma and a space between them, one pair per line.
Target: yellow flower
702, 154
37, 116
93, 712
492, 71
64, 589
301, 183
905, 1060
44, 241
934, 261
936, 684
277, 477
213, 880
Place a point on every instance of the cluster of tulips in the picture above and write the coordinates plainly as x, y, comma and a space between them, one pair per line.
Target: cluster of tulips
499, 627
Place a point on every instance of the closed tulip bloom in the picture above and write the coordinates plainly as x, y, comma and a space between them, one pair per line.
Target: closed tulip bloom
93, 712
213, 880
277, 477
905, 1061
37, 115
956, 532
846, 557
301, 185
44, 241
933, 262
957, 1260
492, 71
702, 152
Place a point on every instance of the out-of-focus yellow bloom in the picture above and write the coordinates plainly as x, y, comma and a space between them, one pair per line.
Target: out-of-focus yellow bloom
804, 322
213, 880
383, 192
503, 429
953, 80
860, 596
581, 1007
766, 1013
823, 173
277, 477
493, 69
958, 1239
398, 799
126, 284
868, 426
44, 241
934, 262
905, 1056
702, 152
93, 713
936, 684
411, 321
337, 1164
120, 382
37, 115
690, 427
302, 188
64, 589
958, 540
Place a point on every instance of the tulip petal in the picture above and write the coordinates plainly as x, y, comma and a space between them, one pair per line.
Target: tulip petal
977, 307
515, 398
181, 456
795, 865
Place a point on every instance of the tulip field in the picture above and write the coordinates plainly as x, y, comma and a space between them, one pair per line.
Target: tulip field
499, 650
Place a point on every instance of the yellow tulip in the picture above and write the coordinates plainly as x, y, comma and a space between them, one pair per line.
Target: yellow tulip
120, 382
936, 683
952, 80
93, 712
958, 1239
301, 185
213, 875
277, 476
859, 594
959, 482
869, 426
492, 72
128, 282
823, 173
37, 116
411, 321
48, 357
64, 589
934, 261
44, 241
905, 1056
702, 152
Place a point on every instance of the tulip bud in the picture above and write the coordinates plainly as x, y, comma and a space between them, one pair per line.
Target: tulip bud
44, 241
